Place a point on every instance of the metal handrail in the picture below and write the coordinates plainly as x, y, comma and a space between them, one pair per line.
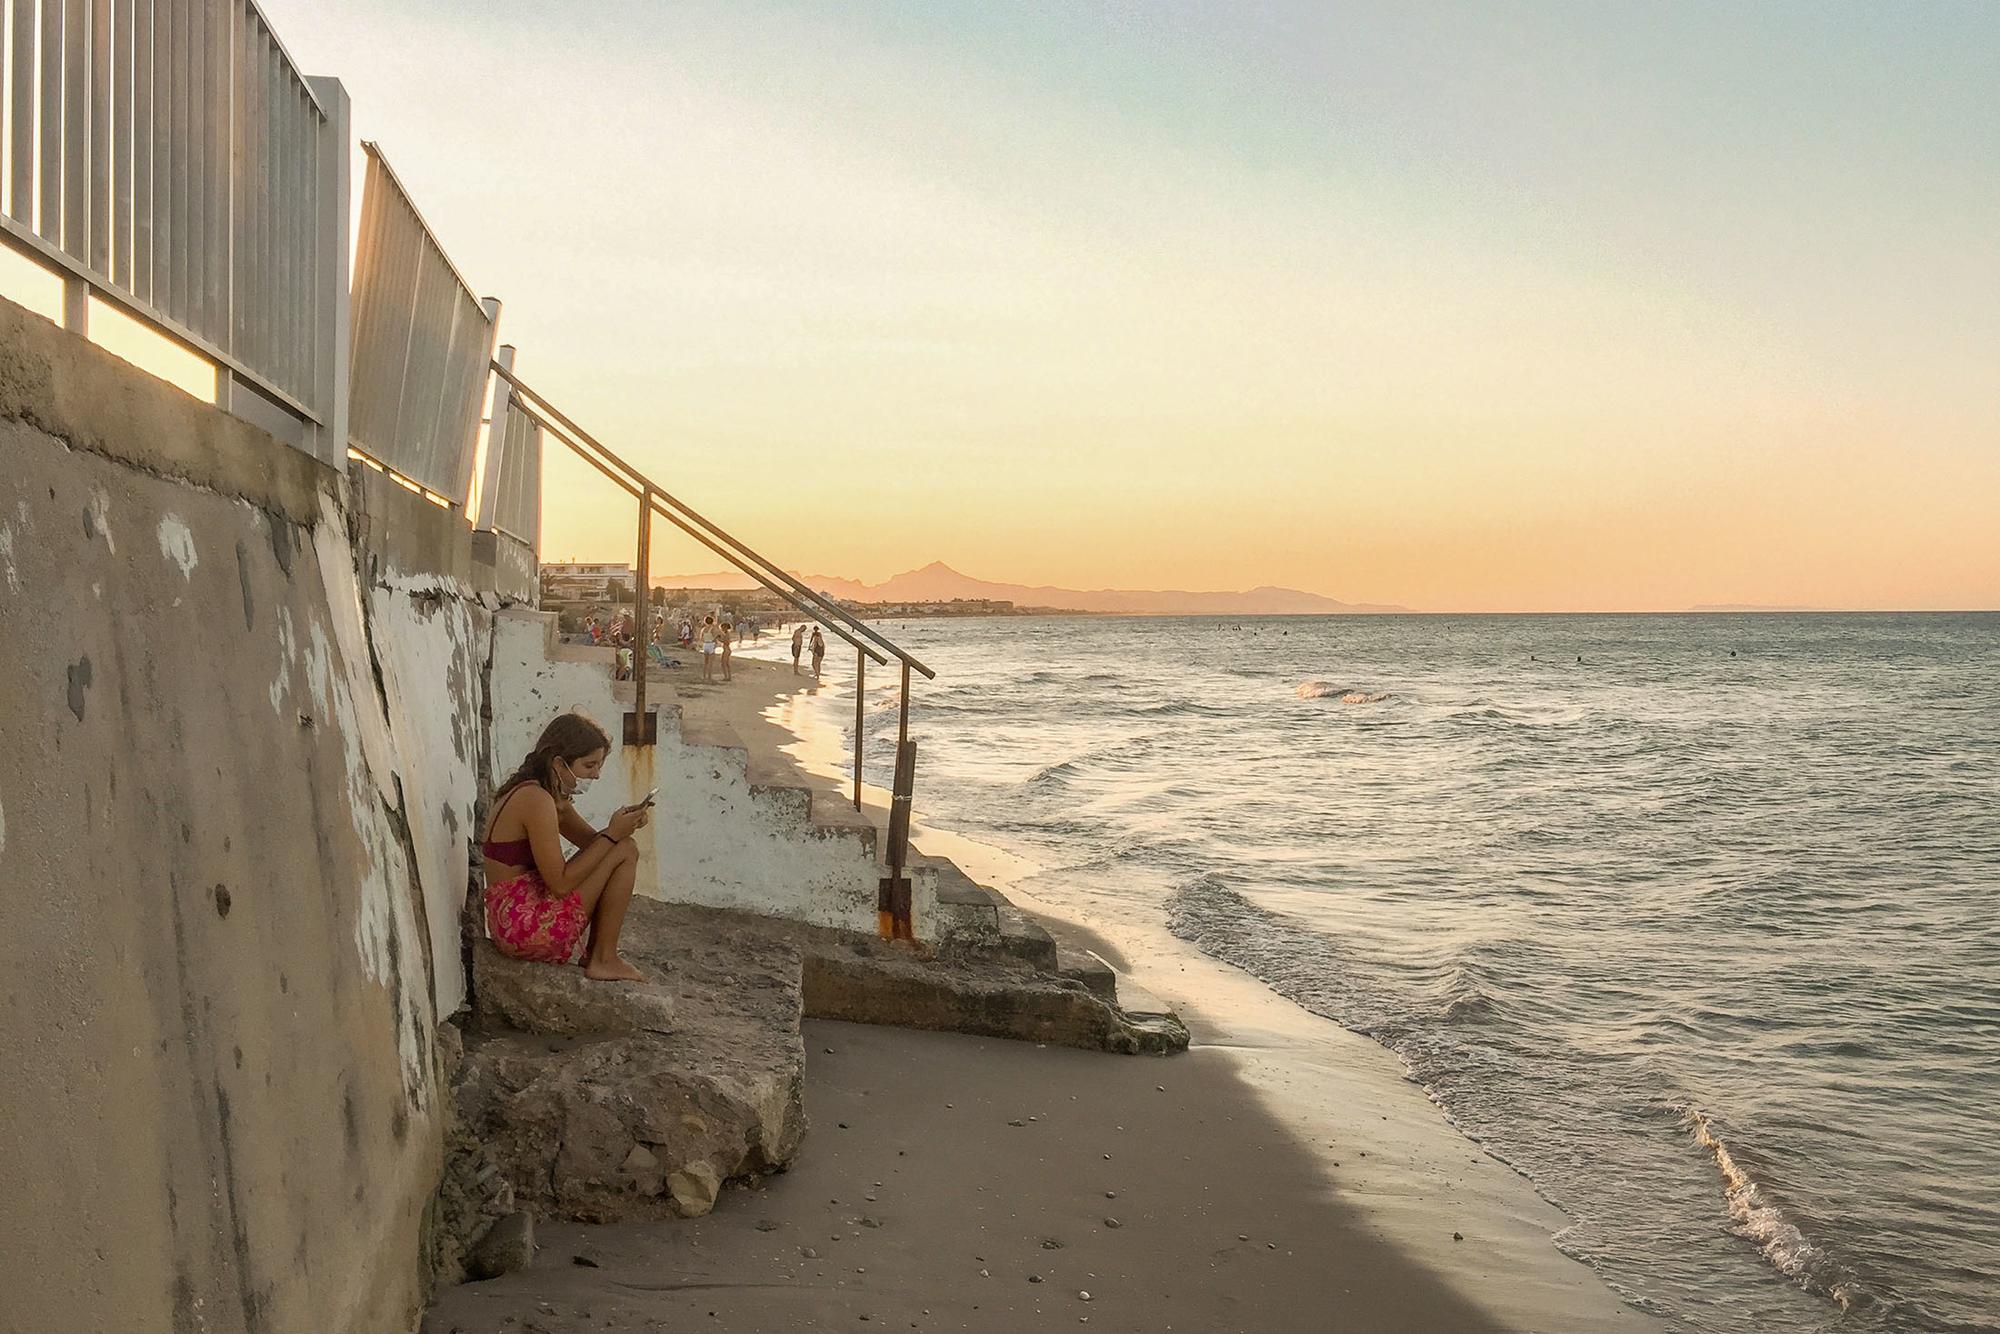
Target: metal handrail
638, 491
894, 902
666, 499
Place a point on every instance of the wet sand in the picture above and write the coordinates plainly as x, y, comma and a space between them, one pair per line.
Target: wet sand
1282, 1175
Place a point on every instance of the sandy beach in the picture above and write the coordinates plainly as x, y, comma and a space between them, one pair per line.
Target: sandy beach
1282, 1175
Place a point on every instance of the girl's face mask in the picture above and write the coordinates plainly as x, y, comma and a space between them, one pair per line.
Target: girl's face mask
577, 784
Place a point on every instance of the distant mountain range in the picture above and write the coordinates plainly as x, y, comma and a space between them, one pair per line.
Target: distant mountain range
938, 582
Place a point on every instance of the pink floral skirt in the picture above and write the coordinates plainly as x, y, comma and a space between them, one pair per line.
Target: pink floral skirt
528, 922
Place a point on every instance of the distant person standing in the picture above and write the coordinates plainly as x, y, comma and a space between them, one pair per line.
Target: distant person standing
622, 642
798, 645
818, 651
708, 648
722, 640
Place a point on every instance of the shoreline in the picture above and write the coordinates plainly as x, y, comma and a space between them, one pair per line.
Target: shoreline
1282, 1174
1414, 1176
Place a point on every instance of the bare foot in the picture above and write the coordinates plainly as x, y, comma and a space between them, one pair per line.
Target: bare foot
613, 970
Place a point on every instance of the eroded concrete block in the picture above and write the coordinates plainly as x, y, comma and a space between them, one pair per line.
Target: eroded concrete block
558, 998
988, 995
647, 1125
507, 1246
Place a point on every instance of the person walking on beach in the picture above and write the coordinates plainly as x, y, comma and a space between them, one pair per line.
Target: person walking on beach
722, 638
818, 651
798, 646
708, 648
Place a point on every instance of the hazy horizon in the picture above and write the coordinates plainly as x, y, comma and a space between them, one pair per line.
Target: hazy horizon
1529, 307
838, 584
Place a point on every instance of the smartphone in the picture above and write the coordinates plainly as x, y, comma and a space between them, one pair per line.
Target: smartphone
649, 797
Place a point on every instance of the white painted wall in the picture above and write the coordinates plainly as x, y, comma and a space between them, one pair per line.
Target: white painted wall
713, 840
432, 651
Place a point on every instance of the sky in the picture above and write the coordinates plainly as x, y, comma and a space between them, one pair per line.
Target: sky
1485, 306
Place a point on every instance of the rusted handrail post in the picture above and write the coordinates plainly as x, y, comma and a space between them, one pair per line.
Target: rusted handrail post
903, 717
642, 649
860, 703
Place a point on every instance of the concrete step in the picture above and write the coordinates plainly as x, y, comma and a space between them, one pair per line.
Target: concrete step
1026, 939
1097, 976
781, 787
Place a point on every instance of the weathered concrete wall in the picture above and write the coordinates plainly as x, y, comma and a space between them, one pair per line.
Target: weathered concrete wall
430, 635
221, 1108
716, 838
506, 568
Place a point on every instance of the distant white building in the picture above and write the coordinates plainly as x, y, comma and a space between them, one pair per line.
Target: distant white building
582, 581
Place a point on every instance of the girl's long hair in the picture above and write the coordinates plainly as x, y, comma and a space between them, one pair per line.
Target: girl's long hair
568, 737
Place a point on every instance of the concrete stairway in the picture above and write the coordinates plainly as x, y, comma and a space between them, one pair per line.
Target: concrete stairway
824, 870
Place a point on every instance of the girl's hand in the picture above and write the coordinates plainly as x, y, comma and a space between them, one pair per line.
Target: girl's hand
624, 823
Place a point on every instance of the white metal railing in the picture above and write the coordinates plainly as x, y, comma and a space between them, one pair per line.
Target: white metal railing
421, 344
510, 490
168, 156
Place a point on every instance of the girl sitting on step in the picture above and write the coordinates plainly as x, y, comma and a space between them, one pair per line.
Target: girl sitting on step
538, 905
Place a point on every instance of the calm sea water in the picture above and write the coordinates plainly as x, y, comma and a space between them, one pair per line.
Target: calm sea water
1689, 918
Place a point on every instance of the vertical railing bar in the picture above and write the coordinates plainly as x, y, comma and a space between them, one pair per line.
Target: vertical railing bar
167, 165
269, 209
860, 705
641, 625
175, 170
265, 329
240, 188
97, 211
249, 192
412, 261
193, 143
367, 322
122, 28
76, 130
267, 217
216, 128
903, 716
144, 138
6, 86
326, 346
203, 306
300, 225
49, 213
532, 508
500, 447
21, 205
278, 245
288, 261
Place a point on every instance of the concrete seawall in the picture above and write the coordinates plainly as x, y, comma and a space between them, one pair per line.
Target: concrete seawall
253, 708
217, 977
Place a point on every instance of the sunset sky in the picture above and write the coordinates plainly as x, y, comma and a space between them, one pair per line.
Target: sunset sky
1463, 306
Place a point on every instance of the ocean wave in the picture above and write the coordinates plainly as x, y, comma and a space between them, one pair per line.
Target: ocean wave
1340, 694
1759, 1219
1185, 707
1295, 961
1054, 775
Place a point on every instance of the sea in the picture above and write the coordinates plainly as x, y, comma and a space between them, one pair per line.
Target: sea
1691, 919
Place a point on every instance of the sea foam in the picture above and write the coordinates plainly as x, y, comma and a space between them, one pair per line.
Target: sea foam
1760, 1220
1339, 694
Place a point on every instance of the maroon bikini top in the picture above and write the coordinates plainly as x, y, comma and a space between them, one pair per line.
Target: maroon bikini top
518, 852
